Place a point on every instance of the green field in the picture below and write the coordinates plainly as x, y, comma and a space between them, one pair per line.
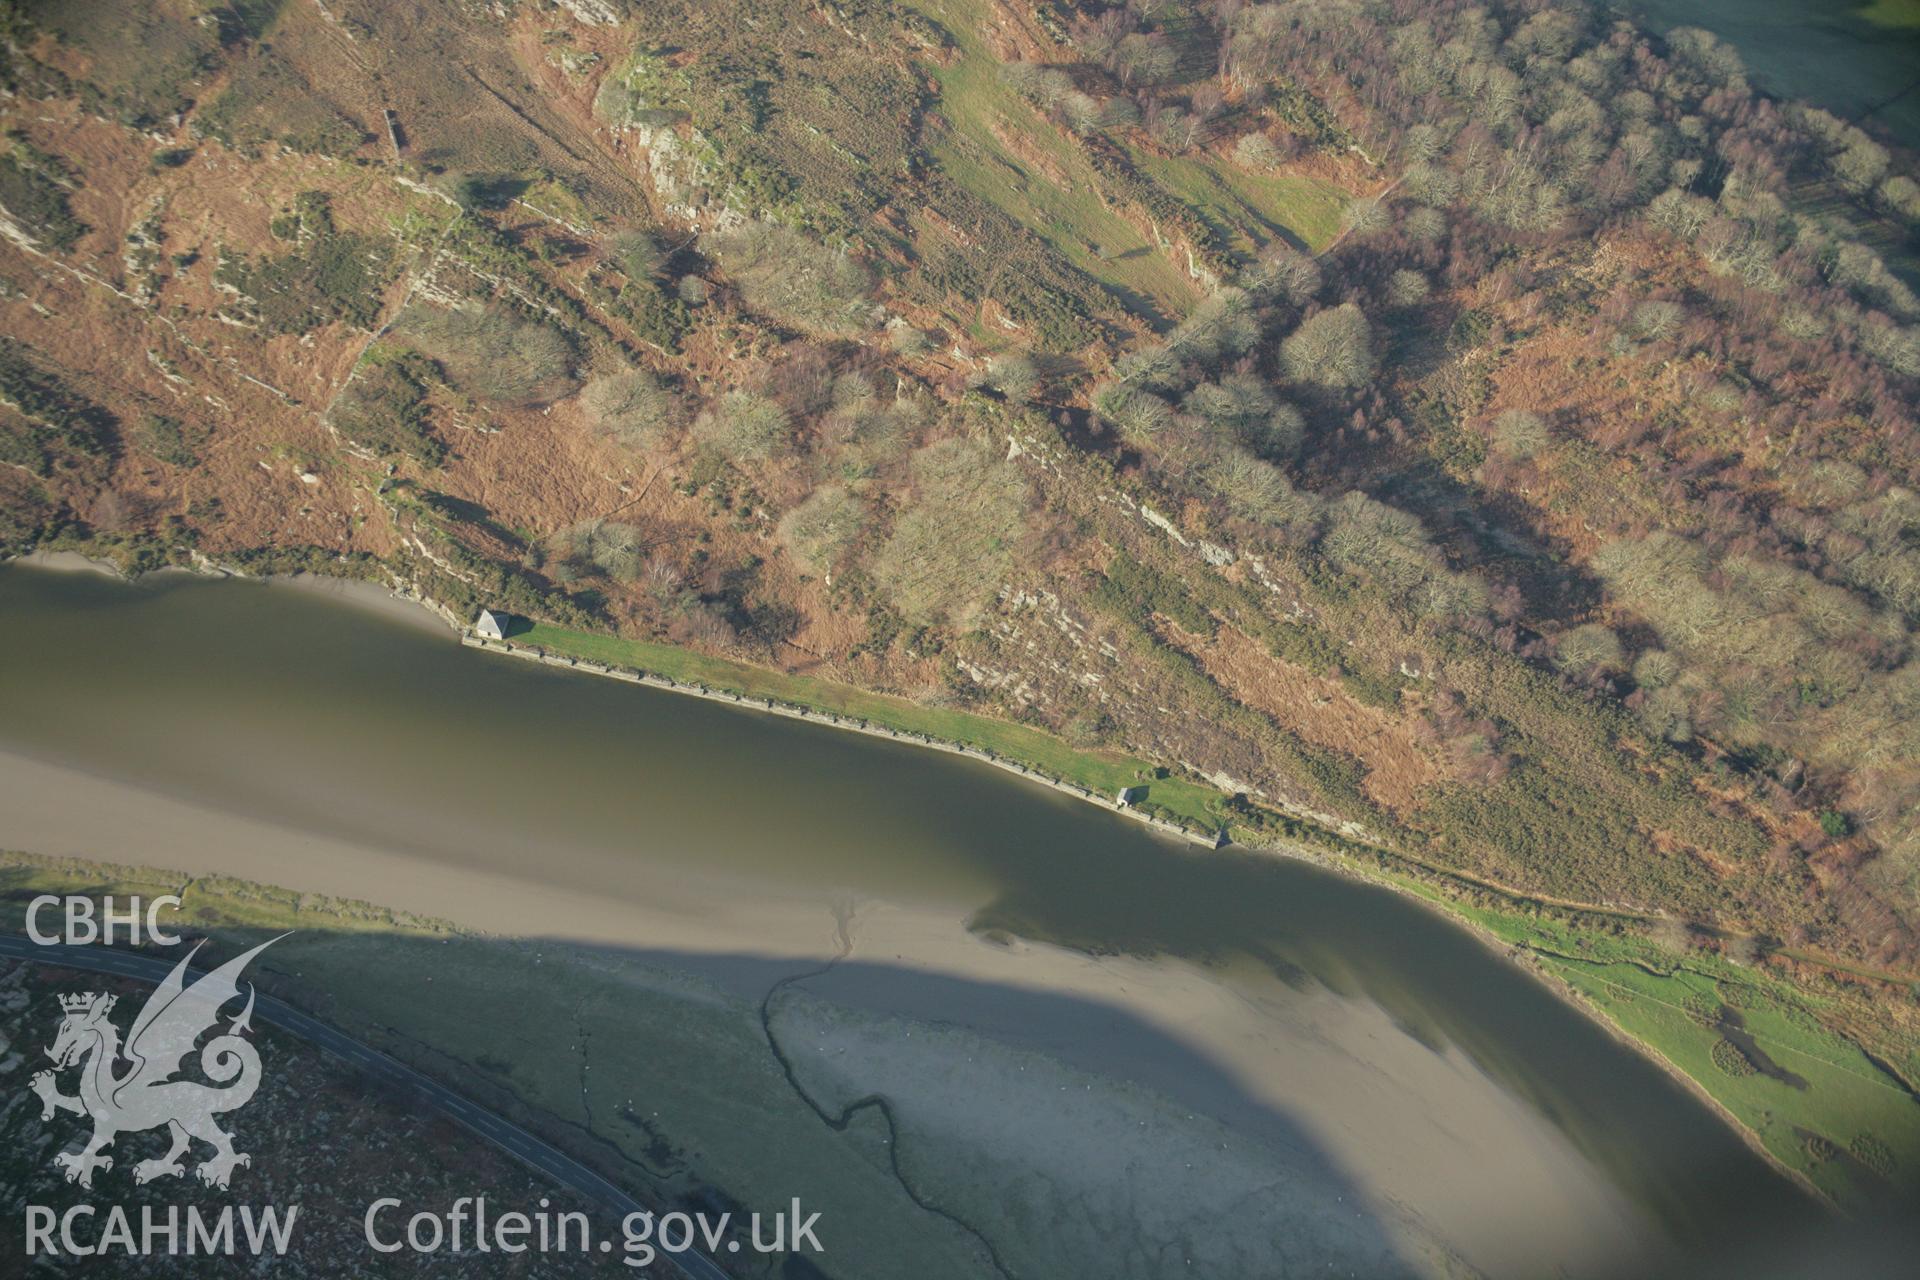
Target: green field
1102, 772
1897, 14
1818, 1104
1249, 209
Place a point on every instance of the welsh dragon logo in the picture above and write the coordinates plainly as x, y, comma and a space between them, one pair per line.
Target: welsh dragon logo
145, 1094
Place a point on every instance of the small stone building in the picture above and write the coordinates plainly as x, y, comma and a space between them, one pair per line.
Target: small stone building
492, 624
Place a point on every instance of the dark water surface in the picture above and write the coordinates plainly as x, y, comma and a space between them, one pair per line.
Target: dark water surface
1826, 52
338, 720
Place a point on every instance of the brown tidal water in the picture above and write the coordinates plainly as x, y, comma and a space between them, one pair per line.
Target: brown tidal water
304, 715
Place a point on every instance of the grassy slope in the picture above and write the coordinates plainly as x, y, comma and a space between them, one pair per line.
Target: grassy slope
1000, 148
1849, 58
1249, 209
1105, 773
1067, 213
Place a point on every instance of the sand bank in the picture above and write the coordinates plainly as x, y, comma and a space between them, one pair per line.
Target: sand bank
1225, 1051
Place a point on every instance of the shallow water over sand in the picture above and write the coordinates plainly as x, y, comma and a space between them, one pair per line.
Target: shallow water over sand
1386, 1061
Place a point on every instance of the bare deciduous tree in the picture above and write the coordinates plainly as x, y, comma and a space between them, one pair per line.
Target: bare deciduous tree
1332, 348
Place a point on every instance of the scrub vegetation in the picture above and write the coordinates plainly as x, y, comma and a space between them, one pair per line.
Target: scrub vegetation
330, 275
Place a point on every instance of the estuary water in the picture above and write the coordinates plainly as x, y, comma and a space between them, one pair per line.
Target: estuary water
348, 746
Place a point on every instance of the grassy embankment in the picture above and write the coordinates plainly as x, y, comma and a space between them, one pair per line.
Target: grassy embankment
1893, 14
1757, 1045
1104, 773
207, 901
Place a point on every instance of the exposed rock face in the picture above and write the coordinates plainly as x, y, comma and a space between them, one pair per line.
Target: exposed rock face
593, 13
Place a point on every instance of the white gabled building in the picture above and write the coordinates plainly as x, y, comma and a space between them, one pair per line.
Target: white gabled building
491, 624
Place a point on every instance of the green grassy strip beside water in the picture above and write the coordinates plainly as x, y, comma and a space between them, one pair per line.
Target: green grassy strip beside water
1104, 773
1899, 15
1754, 1043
